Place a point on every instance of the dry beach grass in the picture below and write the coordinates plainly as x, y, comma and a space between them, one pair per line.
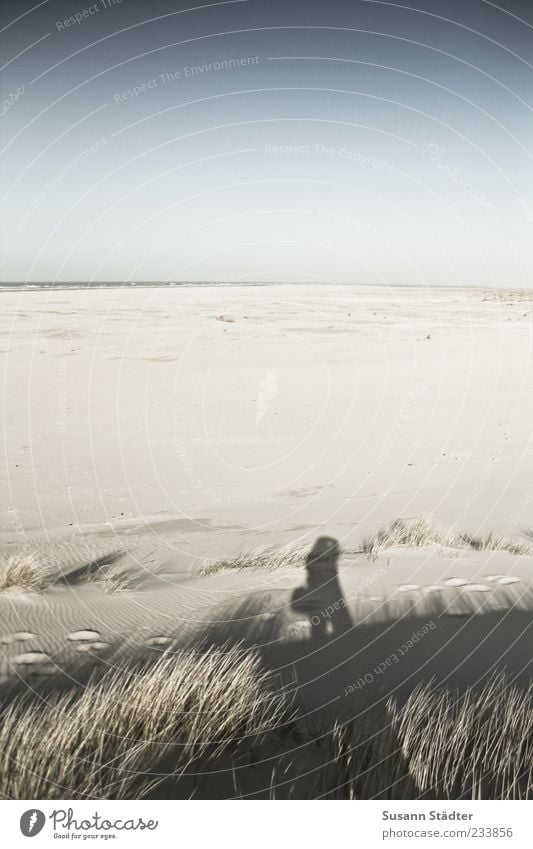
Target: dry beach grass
478, 745
215, 721
206, 712
419, 531
105, 741
438, 745
25, 572
35, 571
262, 558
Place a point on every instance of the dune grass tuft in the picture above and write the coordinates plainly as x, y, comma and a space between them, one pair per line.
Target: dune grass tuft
496, 542
476, 745
25, 572
420, 532
265, 559
36, 571
439, 744
406, 532
161, 730
112, 739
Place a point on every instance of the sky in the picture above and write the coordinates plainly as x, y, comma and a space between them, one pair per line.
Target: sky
257, 140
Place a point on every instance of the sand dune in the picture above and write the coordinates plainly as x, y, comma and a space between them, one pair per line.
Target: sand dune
336, 641
322, 632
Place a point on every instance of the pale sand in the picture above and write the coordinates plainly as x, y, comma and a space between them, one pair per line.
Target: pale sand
316, 409
185, 426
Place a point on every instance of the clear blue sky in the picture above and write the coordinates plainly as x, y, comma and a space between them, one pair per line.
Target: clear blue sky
364, 142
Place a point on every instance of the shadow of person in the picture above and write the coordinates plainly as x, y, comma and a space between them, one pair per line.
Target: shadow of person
321, 598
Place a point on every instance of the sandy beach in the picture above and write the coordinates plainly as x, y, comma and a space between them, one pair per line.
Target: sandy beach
215, 420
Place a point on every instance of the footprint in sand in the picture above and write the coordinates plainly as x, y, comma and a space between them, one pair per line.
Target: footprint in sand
503, 579
31, 658
96, 646
36, 663
158, 641
476, 588
463, 584
84, 636
18, 636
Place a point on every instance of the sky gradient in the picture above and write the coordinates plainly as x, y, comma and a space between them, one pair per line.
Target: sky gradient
345, 142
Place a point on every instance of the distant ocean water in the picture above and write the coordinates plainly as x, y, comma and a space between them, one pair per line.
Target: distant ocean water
179, 284
116, 284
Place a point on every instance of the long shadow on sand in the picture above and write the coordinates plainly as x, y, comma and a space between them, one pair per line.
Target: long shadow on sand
335, 651
322, 592
338, 659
